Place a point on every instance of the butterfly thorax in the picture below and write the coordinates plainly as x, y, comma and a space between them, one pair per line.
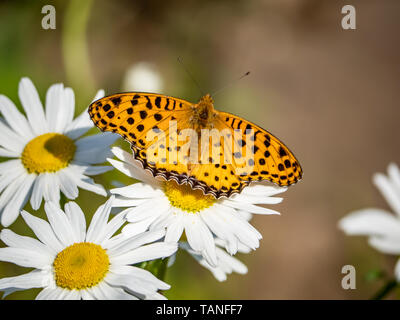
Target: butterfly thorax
203, 113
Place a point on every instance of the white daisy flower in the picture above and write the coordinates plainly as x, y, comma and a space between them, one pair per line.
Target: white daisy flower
226, 263
72, 263
154, 204
48, 155
381, 227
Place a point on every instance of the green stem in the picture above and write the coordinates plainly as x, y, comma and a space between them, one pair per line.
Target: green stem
385, 290
157, 267
74, 46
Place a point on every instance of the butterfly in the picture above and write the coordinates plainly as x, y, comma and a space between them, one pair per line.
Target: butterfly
217, 152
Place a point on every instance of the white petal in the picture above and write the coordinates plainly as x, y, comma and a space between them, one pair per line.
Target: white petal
79, 126
241, 197
96, 141
32, 106
99, 95
82, 123
87, 157
155, 296
94, 149
11, 189
226, 263
15, 119
131, 167
104, 291
135, 228
244, 231
77, 220
8, 153
370, 222
230, 263
75, 173
218, 226
11, 140
67, 184
9, 177
150, 208
51, 190
388, 191
244, 214
397, 270
248, 207
11, 165
126, 202
25, 257
175, 230
112, 226
12, 239
17, 202
394, 174
132, 284
59, 223
163, 220
43, 231
34, 279
67, 113
137, 190
55, 106
200, 238
87, 294
90, 185
95, 170
37, 192
141, 274
385, 245
72, 295
51, 293
146, 253
133, 242
99, 221
263, 189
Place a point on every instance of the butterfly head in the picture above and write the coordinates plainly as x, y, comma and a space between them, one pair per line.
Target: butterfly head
204, 112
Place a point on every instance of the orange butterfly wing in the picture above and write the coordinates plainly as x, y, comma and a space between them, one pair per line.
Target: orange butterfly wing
153, 125
267, 158
149, 123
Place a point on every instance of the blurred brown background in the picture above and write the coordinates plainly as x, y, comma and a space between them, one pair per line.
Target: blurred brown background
330, 94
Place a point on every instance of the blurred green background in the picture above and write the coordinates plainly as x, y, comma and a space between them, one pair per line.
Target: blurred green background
331, 95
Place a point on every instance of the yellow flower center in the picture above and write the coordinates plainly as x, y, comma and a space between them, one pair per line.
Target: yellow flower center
48, 152
185, 198
81, 265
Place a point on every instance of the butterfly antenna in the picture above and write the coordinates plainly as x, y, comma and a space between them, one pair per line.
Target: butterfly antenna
231, 84
180, 60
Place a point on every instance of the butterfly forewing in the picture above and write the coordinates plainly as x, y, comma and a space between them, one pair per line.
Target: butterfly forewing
132, 115
151, 124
